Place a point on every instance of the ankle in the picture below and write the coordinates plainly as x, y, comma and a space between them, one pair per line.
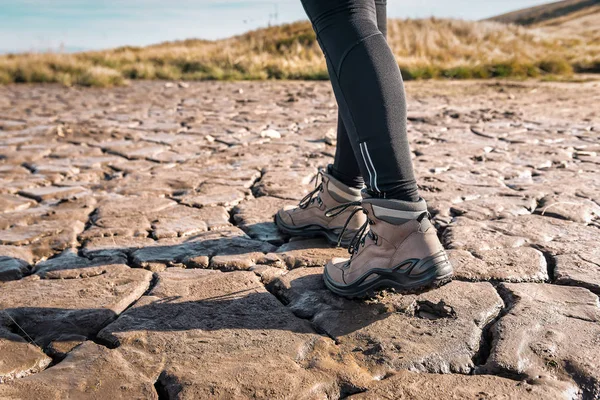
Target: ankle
350, 181
405, 193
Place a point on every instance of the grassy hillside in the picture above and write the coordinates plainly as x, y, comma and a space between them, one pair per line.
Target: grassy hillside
427, 48
570, 9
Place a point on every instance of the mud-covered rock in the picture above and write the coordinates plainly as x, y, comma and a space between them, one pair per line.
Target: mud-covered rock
578, 270
14, 262
473, 236
494, 207
44, 238
69, 265
551, 332
291, 184
256, 218
521, 264
90, 371
215, 195
244, 261
181, 221
438, 331
186, 251
10, 202
20, 357
177, 176
56, 309
114, 246
309, 253
198, 320
571, 208
410, 385
51, 193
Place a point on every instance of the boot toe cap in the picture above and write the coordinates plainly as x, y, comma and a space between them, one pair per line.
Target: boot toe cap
335, 271
285, 216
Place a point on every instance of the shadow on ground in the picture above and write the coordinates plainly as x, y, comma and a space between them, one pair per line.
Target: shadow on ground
249, 309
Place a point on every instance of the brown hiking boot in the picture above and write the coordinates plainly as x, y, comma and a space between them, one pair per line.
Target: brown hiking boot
400, 251
311, 218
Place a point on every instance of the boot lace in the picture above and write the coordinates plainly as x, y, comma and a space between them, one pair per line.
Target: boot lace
361, 235
311, 198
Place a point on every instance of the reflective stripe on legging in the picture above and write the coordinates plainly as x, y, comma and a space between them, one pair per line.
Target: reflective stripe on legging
370, 167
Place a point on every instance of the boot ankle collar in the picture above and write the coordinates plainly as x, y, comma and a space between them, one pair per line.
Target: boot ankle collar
396, 211
340, 192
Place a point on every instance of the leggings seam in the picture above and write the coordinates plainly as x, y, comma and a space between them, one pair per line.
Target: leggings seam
345, 54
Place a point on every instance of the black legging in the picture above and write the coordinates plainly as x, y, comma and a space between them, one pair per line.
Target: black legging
366, 80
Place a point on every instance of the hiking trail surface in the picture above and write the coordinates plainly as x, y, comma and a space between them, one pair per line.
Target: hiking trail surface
139, 258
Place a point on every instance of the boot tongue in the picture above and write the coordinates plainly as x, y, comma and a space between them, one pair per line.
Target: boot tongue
396, 212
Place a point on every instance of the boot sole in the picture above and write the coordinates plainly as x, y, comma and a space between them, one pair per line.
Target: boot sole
437, 272
311, 231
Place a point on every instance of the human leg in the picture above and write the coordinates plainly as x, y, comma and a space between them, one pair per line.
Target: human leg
370, 93
397, 247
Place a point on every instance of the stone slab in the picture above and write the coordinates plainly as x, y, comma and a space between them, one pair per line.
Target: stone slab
199, 320
256, 218
51, 192
494, 207
570, 208
438, 332
414, 386
309, 253
90, 372
215, 195
577, 270
10, 202
69, 265
56, 309
521, 264
20, 357
551, 332
291, 184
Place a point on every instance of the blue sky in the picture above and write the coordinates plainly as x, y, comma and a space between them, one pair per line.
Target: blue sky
40, 25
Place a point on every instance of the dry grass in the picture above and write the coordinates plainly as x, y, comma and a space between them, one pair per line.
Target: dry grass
428, 48
547, 12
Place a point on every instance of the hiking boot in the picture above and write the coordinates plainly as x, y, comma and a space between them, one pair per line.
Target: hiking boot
311, 217
400, 251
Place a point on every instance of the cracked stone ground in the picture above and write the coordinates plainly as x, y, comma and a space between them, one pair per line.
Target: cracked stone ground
139, 259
